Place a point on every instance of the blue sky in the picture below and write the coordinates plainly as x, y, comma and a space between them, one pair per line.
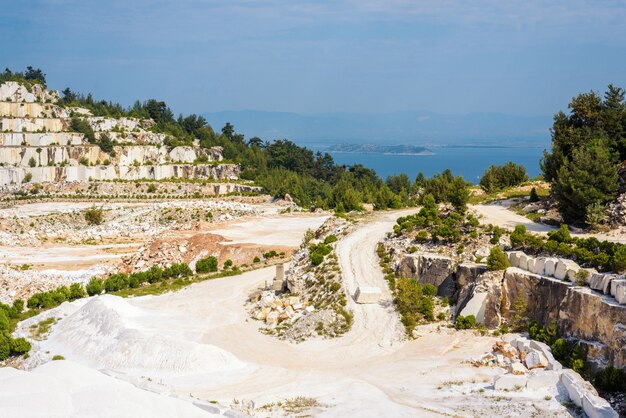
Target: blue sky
516, 57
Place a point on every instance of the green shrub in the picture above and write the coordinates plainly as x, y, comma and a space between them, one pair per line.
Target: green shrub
582, 277
94, 215
330, 239
5, 345
228, 264
82, 126
560, 235
105, 143
32, 162
270, 254
256, 260
466, 322
206, 265
4, 321
611, 379
317, 252
316, 259
20, 346
561, 349
429, 290
545, 335
534, 197
497, 259
95, 286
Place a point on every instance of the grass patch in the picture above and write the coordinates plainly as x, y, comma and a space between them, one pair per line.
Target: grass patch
40, 330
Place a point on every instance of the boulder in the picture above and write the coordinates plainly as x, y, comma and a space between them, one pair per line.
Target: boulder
365, 294
546, 351
615, 283
566, 269
537, 265
522, 261
597, 407
514, 257
535, 360
542, 379
576, 386
597, 281
509, 382
620, 293
506, 349
549, 266
517, 368
522, 344
272, 318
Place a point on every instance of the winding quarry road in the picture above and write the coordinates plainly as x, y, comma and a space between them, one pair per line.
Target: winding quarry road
198, 345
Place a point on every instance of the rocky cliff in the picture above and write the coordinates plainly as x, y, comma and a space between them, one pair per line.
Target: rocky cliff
589, 316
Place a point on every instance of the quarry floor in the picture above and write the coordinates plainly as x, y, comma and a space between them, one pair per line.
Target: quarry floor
196, 353
269, 227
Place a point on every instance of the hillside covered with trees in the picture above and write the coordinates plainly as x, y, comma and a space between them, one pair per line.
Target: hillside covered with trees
280, 166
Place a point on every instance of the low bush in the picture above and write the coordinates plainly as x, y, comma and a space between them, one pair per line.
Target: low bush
94, 215
429, 290
95, 286
611, 379
317, 252
206, 265
497, 259
466, 322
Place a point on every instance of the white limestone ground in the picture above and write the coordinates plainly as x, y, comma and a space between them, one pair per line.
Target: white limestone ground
198, 345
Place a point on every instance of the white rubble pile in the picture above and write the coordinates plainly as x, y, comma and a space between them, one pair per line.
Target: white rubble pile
530, 365
275, 309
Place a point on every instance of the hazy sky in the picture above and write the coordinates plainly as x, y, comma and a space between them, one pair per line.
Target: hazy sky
519, 57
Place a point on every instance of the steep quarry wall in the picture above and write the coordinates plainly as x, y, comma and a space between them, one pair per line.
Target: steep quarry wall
36, 145
593, 318
128, 155
15, 175
597, 320
32, 110
33, 124
40, 139
102, 124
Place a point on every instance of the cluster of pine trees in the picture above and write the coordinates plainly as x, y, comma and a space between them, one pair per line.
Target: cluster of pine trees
587, 147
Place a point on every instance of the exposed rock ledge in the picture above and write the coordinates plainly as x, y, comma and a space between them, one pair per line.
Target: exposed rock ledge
596, 320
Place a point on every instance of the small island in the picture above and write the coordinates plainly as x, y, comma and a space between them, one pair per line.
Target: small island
381, 149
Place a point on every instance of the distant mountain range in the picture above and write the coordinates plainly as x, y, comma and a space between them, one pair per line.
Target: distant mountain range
419, 128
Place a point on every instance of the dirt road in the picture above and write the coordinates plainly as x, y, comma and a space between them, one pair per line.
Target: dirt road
501, 216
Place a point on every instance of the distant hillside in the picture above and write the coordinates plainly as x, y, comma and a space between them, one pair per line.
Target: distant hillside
423, 128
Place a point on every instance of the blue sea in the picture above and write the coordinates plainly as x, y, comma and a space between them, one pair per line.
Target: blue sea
469, 162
